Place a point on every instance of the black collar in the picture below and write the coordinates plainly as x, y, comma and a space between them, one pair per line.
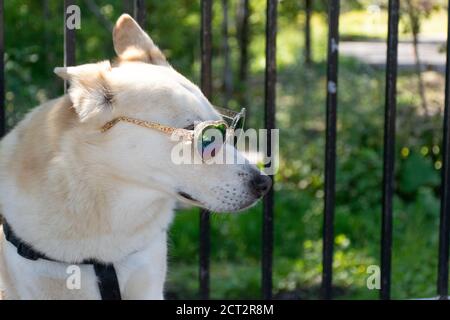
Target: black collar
108, 284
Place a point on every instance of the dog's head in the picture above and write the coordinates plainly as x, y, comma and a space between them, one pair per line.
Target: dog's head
142, 85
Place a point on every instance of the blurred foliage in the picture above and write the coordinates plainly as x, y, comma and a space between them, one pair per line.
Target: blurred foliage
34, 46
415, 11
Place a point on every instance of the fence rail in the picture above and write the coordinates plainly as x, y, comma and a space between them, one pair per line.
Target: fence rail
2, 73
69, 39
444, 228
330, 148
139, 9
389, 149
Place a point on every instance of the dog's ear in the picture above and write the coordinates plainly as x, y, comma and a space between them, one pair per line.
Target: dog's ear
131, 43
89, 90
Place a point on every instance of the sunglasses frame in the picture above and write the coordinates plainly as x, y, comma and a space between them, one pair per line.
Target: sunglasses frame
229, 114
189, 135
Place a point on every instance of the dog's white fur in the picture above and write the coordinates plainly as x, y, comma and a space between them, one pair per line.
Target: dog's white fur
75, 193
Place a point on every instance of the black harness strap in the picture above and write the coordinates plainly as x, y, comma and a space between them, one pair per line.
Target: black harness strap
108, 283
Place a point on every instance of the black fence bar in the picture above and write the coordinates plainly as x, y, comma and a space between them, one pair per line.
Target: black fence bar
308, 8
330, 148
389, 149
270, 97
140, 12
243, 40
444, 229
2, 73
69, 39
206, 86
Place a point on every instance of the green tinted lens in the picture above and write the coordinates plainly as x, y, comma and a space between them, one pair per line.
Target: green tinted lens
223, 130
240, 123
212, 138
238, 126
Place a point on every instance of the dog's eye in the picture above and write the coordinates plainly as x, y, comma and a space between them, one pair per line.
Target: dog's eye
189, 127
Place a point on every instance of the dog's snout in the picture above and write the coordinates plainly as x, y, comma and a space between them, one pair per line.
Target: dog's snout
261, 184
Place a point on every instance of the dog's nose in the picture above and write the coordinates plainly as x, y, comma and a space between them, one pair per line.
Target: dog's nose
261, 184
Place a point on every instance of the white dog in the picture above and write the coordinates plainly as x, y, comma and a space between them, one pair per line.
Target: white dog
74, 192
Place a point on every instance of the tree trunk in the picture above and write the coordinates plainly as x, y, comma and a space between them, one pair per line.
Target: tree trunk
415, 30
418, 65
93, 7
46, 13
227, 72
140, 12
50, 57
128, 7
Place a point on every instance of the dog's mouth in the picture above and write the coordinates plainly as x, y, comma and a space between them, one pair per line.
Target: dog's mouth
188, 198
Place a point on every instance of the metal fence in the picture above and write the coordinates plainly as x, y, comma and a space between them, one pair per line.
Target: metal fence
330, 149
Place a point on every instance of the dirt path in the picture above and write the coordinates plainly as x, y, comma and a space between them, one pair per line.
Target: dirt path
374, 53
